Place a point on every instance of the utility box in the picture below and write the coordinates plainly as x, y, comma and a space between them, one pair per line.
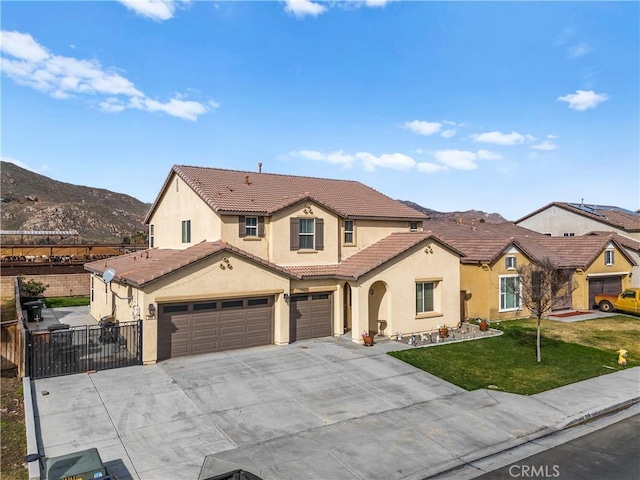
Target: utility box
83, 465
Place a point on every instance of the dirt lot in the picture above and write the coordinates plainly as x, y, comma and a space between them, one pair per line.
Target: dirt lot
14, 446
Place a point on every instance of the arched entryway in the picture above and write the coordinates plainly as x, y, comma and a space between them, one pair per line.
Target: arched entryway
378, 308
346, 307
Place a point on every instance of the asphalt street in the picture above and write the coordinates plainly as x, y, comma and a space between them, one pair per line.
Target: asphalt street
610, 453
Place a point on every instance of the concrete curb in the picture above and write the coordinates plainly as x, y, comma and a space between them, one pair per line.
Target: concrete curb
30, 427
499, 448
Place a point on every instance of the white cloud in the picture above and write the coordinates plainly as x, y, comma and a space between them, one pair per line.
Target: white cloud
338, 157
457, 159
546, 145
30, 64
427, 167
396, 161
576, 51
423, 128
376, 3
499, 138
552, 137
582, 100
488, 155
448, 133
153, 9
301, 8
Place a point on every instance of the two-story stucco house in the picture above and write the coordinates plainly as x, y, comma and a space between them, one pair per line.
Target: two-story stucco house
240, 259
559, 219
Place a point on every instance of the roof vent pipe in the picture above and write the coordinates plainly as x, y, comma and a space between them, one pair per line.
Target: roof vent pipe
246, 179
260, 167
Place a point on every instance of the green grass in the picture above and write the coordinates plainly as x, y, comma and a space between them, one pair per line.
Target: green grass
80, 301
12, 429
509, 361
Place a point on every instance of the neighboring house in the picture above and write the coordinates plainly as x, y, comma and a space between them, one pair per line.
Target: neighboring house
632, 247
560, 219
493, 252
241, 259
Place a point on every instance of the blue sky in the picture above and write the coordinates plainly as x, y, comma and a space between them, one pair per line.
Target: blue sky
496, 106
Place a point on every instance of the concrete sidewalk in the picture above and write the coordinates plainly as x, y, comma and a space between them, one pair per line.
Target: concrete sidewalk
320, 409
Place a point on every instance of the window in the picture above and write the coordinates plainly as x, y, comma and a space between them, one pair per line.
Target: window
175, 308
92, 288
307, 234
251, 226
608, 257
510, 263
348, 231
509, 293
152, 236
232, 303
186, 231
253, 302
413, 226
569, 234
424, 297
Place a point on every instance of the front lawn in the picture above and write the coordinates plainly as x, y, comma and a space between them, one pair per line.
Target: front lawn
14, 443
570, 352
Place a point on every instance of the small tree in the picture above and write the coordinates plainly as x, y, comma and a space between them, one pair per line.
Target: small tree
542, 285
32, 288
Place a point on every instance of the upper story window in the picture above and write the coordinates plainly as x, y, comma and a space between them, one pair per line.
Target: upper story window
569, 234
413, 226
152, 236
251, 227
510, 263
349, 232
608, 257
307, 234
186, 231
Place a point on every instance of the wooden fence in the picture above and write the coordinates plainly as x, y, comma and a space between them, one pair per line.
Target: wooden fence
13, 337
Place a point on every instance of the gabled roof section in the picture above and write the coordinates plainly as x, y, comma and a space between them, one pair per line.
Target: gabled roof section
370, 258
626, 242
233, 192
580, 252
607, 214
141, 268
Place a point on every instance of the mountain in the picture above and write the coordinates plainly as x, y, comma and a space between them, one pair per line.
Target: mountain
34, 202
467, 216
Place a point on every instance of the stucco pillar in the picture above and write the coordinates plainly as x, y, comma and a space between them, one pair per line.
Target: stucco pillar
359, 317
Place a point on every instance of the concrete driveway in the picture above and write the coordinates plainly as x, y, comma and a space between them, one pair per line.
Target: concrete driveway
320, 409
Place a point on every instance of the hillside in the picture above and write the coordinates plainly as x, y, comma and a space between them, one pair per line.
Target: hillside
467, 216
34, 202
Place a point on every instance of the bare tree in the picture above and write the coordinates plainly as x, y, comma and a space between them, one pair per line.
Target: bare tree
542, 285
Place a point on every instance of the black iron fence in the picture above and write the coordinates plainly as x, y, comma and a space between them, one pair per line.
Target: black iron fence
64, 350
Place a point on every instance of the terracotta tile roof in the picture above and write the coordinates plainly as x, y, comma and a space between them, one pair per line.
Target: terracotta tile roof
383, 251
449, 229
232, 191
309, 271
626, 242
144, 267
609, 215
579, 252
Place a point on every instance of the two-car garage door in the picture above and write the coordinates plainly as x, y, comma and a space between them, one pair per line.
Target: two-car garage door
213, 326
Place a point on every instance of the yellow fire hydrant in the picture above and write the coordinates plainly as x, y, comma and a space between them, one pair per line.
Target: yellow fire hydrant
622, 357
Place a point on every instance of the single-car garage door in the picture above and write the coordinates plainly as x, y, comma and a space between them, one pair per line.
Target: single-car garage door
310, 316
603, 285
214, 326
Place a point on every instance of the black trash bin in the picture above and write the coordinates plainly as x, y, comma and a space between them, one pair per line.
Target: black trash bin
34, 309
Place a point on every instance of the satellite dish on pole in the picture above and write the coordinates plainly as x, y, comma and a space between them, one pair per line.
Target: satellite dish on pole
108, 275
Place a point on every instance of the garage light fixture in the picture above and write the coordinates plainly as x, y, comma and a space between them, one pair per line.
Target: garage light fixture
152, 310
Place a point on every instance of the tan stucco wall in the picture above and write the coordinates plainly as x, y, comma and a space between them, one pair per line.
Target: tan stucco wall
482, 284
280, 229
368, 232
398, 279
179, 202
258, 246
557, 221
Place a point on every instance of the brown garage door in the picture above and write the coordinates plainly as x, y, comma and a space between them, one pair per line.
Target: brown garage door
603, 285
204, 327
310, 316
